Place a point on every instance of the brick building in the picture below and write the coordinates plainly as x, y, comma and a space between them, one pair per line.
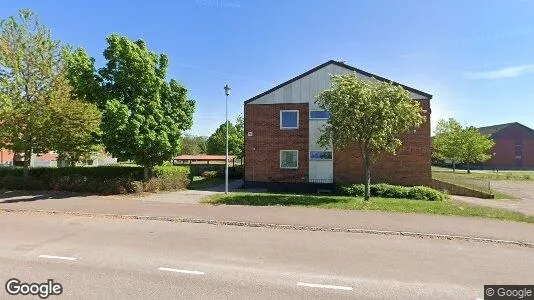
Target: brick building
514, 146
282, 127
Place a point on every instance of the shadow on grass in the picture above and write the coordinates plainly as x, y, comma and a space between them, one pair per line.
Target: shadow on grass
276, 199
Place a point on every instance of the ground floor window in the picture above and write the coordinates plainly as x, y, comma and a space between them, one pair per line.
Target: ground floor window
320, 155
289, 159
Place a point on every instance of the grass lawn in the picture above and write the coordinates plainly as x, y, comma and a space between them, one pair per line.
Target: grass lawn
202, 183
446, 207
488, 174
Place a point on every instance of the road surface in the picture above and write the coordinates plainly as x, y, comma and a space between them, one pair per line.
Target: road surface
100, 258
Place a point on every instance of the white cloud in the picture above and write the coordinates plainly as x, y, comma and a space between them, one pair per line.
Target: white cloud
509, 72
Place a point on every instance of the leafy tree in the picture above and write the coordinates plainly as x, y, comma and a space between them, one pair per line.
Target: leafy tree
372, 114
37, 113
448, 141
216, 143
74, 125
193, 145
475, 147
143, 115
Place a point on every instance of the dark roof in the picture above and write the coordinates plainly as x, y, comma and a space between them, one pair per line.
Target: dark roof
491, 130
340, 64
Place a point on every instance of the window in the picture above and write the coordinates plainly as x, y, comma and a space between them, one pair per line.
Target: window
289, 119
289, 159
320, 155
319, 115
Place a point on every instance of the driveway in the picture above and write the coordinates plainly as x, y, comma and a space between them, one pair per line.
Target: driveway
522, 190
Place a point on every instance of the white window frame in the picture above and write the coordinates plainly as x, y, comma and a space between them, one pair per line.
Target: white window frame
289, 110
292, 168
320, 159
317, 118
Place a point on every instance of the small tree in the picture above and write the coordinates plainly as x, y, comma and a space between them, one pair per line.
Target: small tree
372, 114
193, 145
216, 143
475, 147
447, 142
29, 61
37, 111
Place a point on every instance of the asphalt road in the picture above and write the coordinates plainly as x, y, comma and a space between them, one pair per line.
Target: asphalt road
98, 258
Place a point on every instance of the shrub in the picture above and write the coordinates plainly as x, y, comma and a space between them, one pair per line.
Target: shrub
211, 174
101, 180
236, 172
391, 191
424, 193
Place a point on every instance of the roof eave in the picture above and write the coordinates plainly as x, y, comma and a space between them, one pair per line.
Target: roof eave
413, 90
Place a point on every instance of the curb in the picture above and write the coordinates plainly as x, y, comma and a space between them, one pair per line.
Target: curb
278, 226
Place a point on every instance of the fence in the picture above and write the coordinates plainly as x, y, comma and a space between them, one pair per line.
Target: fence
461, 180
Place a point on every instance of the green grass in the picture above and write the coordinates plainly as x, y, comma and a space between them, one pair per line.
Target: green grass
201, 183
477, 180
488, 174
447, 207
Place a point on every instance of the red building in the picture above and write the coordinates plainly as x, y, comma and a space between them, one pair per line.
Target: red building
283, 125
514, 146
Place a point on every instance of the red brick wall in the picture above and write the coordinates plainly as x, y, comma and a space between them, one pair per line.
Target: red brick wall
410, 166
504, 148
6, 156
528, 153
262, 149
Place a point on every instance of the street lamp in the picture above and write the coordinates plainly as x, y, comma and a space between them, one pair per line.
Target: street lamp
226, 92
494, 153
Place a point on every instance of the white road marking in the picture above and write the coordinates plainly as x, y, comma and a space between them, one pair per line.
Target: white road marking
57, 257
181, 271
325, 286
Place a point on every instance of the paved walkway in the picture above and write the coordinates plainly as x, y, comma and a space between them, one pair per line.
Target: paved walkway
476, 227
523, 190
189, 196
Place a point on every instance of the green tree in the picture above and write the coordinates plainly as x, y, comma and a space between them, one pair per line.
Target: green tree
372, 114
74, 125
143, 115
447, 142
193, 145
37, 113
475, 147
216, 143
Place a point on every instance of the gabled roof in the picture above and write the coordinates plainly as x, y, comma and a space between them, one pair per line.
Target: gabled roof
340, 64
491, 130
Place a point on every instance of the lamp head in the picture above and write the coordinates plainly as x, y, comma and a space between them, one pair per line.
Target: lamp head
227, 90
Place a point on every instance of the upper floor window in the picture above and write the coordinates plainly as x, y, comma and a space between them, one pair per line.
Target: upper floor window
289, 119
319, 115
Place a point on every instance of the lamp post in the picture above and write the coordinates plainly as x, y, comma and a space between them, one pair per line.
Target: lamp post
226, 92
494, 153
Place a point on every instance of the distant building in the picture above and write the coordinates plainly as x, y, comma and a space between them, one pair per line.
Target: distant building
514, 146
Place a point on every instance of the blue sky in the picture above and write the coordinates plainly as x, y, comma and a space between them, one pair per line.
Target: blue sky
475, 57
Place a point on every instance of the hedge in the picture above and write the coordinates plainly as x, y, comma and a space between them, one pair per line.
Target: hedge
100, 180
391, 191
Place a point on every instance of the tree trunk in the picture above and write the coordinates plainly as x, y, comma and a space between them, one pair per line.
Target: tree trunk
453, 166
468, 168
147, 170
367, 179
27, 162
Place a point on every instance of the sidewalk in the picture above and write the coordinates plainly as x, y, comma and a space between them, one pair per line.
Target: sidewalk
331, 218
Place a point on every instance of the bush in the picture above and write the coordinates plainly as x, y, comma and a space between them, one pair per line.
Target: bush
100, 180
391, 191
211, 174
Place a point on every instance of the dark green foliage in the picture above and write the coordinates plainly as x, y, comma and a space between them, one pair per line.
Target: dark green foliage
99, 180
212, 174
391, 191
